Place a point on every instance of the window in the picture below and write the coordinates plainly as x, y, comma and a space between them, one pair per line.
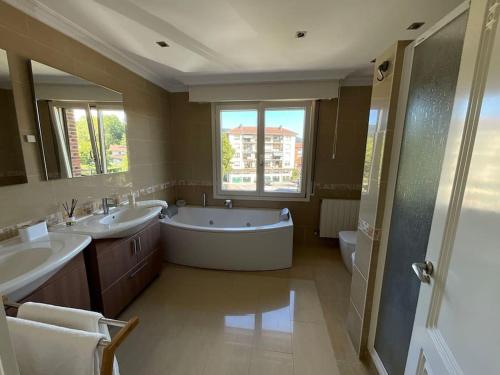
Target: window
262, 150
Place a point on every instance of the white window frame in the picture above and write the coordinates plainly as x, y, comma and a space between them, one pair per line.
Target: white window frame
260, 193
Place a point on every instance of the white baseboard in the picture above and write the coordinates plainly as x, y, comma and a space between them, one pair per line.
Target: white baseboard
377, 362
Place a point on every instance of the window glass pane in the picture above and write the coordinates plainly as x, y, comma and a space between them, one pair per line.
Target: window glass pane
80, 146
97, 133
238, 132
283, 149
115, 140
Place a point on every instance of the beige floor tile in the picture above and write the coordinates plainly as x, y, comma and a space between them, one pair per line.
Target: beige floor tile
265, 362
227, 358
196, 321
312, 352
354, 368
306, 306
274, 341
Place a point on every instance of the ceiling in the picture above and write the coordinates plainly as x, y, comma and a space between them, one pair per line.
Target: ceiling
235, 41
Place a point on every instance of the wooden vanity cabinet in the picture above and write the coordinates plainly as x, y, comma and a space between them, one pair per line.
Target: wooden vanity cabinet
119, 269
67, 287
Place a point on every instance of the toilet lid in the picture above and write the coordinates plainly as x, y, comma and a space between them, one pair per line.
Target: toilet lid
348, 236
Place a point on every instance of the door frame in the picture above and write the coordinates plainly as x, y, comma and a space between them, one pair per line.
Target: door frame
393, 174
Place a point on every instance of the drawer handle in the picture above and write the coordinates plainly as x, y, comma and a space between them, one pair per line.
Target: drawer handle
132, 275
134, 247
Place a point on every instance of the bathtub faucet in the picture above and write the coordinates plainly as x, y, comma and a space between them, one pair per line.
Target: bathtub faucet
228, 203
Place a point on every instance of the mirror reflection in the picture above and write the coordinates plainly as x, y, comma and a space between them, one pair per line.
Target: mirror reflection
82, 125
12, 170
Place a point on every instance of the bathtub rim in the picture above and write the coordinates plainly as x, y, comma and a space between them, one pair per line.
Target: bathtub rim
275, 226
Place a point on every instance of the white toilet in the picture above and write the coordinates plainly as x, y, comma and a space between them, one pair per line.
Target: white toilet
347, 241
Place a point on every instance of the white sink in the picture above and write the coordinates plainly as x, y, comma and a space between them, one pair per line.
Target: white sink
24, 266
120, 222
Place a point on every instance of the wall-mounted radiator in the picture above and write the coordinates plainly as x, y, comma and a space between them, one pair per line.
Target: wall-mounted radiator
338, 215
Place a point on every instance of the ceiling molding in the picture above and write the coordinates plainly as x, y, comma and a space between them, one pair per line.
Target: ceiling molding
62, 24
263, 77
301, 90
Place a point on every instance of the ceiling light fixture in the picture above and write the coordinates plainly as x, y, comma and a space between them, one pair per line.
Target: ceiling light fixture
415, 26
300, 34
162, 44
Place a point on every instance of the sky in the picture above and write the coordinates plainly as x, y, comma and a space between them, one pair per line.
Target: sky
292, 119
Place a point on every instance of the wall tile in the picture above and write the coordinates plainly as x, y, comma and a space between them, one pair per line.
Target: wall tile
364, 246
354, 326
358, 289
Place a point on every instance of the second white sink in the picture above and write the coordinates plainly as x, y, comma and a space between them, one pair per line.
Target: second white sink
120, 222
24, 266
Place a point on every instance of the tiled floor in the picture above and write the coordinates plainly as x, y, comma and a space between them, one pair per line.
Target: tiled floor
201, 322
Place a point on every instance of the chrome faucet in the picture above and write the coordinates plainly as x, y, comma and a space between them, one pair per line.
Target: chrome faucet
106, 204
204, 199
228, 203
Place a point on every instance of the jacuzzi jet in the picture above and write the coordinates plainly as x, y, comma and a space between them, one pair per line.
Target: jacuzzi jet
249, 225
211, 222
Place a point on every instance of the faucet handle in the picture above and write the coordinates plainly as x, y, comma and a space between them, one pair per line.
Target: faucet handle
109, 201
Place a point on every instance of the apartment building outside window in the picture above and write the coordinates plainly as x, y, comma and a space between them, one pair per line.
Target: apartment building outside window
262, 150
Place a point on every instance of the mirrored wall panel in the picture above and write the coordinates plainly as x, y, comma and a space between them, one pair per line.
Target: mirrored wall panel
12, 170
82, 125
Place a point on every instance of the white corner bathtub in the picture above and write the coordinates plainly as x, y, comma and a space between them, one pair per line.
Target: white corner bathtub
228, 239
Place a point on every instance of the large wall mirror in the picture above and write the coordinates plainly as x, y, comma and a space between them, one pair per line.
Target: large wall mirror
82, 125
12, 170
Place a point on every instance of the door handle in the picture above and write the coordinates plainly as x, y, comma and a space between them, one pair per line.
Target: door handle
423, 271
134, 246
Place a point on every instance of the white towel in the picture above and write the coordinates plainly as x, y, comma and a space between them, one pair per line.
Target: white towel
43, 349
69, 318
152, 203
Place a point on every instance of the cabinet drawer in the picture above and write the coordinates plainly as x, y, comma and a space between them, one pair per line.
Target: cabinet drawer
116, 261
120, 294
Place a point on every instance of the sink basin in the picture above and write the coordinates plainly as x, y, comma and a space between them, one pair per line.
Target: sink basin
120, 222
24, 266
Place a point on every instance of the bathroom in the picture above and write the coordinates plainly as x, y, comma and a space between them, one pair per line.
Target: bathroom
298, 207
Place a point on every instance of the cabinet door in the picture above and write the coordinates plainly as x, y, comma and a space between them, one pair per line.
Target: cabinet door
67, 288
148, 241
116, 260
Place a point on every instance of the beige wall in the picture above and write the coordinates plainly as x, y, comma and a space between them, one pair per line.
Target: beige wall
336, 178
384, 100
12, 169
146, 106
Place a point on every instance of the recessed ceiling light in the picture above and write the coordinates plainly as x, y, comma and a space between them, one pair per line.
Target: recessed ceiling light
415, 26
162, 44
300, 34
